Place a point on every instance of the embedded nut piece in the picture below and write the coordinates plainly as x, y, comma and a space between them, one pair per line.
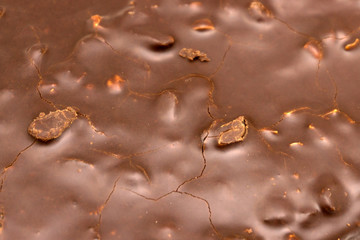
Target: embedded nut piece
50, 126
192, 55
234, 131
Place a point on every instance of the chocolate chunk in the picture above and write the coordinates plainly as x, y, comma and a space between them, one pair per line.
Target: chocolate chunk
233, 131
192, 55
50, 126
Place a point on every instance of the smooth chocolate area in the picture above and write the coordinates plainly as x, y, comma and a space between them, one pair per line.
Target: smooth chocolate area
251, 132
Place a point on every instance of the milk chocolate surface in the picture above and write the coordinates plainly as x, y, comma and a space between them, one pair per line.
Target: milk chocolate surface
251, 134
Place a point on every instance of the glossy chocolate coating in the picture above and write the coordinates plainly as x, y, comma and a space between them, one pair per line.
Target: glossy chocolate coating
142, 160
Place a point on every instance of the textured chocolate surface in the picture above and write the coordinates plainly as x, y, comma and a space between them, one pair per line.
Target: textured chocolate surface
140, 156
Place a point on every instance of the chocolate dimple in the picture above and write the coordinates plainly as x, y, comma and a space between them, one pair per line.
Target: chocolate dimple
203, 25
50, 126
331, 195
278, 214
162, 42
311, 218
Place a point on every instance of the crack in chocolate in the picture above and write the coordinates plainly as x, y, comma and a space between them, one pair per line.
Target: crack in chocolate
342, 158
118, 156
285, 114
271, 149
220, 65
210, 104
219, 235
335, 103
204, 163
40, 77
99, 211
164, 195
292, 29
137, 61
5, 169
87, 117
208, 79
310, 111
37, 68
323, 116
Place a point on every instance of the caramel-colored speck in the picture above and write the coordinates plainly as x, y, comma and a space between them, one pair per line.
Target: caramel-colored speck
96, 20
352, 45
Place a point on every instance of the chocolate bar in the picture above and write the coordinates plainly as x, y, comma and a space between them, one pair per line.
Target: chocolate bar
178, 120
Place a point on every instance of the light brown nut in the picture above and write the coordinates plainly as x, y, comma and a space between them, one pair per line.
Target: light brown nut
234, 131
50, 126
193, 54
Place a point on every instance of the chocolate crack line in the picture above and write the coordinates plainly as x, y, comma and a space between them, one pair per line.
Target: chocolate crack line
98, 226
3, 173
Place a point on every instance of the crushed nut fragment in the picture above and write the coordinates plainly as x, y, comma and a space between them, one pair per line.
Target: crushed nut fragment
234, 131
292, 236
296, 144
50, 126
315, 48
96, 20
257, 9
115, 84
192, 55
352, 45
248, 230
202, 25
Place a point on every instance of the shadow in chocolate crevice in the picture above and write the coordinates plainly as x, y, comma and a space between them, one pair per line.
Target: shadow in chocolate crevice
354, 234
163, 45
49, 142
312, 218
331, 195
278, 214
